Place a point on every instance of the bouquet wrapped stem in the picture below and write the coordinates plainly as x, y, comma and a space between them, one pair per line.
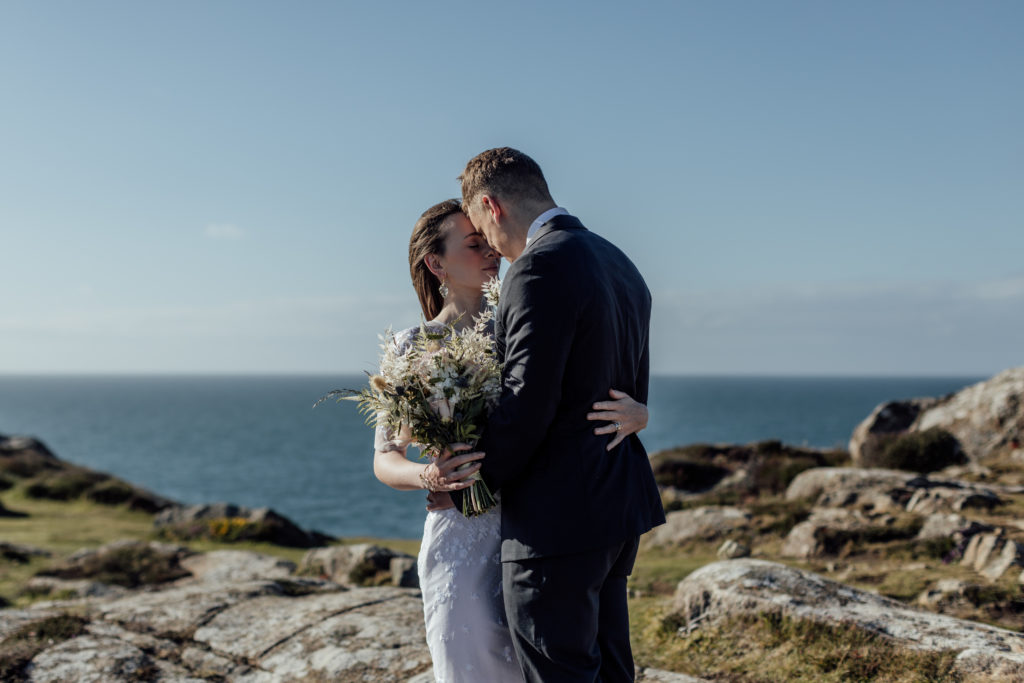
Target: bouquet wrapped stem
477, 499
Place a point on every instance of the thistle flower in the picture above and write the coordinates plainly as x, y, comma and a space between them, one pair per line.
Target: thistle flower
379, 384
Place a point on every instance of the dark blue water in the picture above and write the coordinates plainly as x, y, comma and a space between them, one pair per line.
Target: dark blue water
256, 440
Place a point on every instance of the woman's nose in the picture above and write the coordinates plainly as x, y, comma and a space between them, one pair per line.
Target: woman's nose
491, 252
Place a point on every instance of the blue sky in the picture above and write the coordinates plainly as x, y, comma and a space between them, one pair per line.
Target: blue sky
808, 187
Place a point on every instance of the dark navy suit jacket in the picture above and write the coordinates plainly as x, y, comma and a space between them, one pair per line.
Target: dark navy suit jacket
572, 322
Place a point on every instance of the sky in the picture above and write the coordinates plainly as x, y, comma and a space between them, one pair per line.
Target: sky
812, 188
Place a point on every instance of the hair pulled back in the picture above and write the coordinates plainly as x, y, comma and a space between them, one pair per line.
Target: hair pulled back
428, 238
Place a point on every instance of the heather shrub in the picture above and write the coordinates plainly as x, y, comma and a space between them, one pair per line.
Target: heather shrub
927, 451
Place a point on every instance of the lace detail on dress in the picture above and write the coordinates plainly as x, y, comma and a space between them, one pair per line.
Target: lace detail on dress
460, 576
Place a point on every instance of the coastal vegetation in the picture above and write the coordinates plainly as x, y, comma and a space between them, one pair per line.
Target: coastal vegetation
764, 546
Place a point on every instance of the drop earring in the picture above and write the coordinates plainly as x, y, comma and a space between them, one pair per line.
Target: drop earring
443, 288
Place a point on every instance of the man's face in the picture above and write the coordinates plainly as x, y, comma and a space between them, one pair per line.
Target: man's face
483, 222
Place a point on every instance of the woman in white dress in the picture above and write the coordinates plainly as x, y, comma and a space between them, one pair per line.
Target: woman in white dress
459, 560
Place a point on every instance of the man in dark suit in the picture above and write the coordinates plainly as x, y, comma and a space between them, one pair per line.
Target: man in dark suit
572, 321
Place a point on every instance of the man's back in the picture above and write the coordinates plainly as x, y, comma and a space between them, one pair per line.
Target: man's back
573, 323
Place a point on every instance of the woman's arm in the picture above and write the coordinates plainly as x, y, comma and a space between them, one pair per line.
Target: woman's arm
625, 415
391, 467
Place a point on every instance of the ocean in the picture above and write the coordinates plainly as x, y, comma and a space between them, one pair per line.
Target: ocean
257, 441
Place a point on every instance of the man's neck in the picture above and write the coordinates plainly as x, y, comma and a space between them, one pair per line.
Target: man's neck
517, 242
523, 219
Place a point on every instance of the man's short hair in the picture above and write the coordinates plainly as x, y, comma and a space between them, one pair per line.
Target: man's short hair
504, 172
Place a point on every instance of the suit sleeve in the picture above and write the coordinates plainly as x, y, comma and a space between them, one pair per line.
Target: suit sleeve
539, 307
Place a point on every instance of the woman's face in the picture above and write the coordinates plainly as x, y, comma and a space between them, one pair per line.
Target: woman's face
469, 261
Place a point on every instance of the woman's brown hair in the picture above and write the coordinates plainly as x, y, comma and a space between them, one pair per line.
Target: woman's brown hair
428, 238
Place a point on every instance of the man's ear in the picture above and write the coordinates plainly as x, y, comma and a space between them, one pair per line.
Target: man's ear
493, 206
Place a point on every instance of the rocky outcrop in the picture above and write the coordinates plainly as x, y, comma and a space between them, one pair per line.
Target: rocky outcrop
931, 497
128, 563
985, 418
44, 475
755, 468
880, 490
705, 523
748, 587
836, 531
952, 526
731, 549
992, 555
52, 587
848, 485
21, 553
945, 593
241, 616
221, 566
361, 564
228, 522
11, 446
885, 421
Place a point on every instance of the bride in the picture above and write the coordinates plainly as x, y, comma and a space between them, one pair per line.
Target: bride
459, 559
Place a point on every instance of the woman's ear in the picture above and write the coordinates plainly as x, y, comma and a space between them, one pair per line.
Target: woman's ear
434, 265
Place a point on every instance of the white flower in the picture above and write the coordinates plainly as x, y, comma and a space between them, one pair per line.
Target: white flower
492, 291
443, 409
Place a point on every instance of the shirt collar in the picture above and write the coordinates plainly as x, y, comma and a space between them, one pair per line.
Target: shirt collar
542, 219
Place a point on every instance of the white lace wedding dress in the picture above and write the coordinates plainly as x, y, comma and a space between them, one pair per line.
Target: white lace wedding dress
460, 577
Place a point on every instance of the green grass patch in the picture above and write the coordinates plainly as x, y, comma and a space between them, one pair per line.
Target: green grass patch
658, 571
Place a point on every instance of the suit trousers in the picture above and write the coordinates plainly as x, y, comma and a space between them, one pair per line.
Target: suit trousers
568, 615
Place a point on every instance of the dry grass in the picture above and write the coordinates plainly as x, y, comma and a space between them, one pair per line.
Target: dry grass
769, 647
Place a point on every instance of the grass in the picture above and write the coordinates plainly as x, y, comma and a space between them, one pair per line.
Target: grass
772, 647
62, 527
659, 570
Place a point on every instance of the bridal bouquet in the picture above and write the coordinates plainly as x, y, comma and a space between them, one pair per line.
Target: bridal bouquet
440, 388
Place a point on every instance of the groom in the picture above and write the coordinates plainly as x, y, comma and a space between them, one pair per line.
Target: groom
572, 321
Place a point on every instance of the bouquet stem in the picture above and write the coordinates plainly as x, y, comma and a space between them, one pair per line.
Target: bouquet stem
477, 499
